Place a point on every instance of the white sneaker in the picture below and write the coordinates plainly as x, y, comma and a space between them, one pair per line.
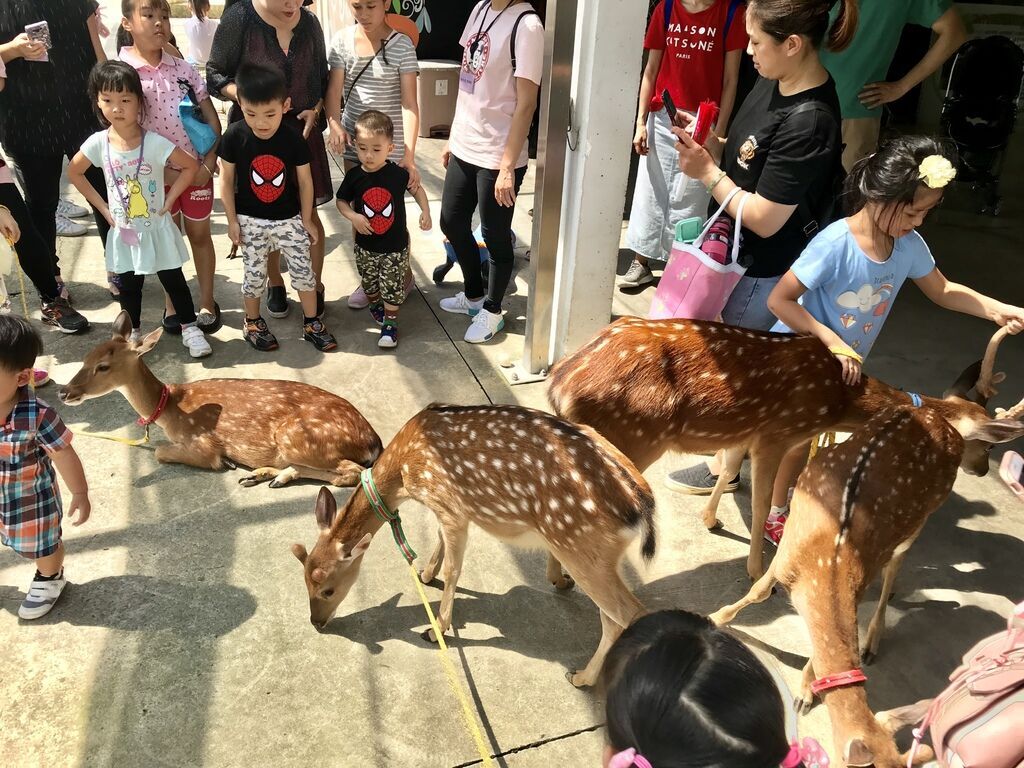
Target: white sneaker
135, 337
193, 338
638, 274
485, 324
41, 597
68, 228
460, 305
70, 210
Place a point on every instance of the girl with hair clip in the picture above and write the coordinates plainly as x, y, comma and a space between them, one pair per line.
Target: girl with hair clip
843, 286
681, 693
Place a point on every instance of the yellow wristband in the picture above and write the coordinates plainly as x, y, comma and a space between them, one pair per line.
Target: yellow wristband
846, 352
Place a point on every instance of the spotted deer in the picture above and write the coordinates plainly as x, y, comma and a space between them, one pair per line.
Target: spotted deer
857, 509
523, 476
652, 386
282, 430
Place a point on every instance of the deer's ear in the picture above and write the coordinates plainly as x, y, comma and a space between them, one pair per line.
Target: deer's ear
300, 552
857, 753
148, 342
122, 326
326, 507
996, 431
360, 548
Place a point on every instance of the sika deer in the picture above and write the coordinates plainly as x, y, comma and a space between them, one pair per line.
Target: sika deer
283, 430
540, 482
857, 509
652, 386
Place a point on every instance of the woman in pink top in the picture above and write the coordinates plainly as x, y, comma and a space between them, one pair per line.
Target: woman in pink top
486, 156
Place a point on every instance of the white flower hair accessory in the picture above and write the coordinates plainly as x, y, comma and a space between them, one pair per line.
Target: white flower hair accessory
936, 171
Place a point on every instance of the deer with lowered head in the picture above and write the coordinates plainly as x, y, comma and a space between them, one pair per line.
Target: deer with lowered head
282, 430
652, 386
522, 476
857, 509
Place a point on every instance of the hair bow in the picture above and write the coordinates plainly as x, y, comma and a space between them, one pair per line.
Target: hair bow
936, 171
628, 758
809, 752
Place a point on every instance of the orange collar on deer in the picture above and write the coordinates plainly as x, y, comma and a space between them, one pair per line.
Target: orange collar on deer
392, 518
839, 680
161, 404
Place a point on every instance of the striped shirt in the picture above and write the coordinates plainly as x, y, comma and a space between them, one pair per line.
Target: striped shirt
380, 85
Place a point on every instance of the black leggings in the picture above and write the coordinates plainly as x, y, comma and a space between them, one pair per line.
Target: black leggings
466, 187
173, 281
40, 179
32, 253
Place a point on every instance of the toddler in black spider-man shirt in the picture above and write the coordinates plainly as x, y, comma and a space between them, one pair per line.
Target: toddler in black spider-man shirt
372, 197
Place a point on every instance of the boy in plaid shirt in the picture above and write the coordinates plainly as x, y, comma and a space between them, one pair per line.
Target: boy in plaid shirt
33, 440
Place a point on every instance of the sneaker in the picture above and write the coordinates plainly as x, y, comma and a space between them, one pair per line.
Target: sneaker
136, 336
41, 597
61, 316
460, 305
316, 333
171, 324
697, 481
358, 299
209, 322
193, 338
259, 336
774, 528
485, 324
70, 210
377, 313
320, 303
277, 301
40, 378
388, 336
68, 228
638, 274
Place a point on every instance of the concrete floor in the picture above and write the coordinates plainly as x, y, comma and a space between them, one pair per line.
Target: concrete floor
183, 639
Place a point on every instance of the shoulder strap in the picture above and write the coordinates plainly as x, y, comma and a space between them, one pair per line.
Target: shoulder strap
515, 28
803, 210
668, 13
733, 7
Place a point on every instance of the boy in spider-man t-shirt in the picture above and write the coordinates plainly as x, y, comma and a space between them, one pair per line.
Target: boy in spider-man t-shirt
267, 191
372, 197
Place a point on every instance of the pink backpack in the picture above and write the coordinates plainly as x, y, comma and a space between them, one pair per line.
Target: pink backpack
978, 721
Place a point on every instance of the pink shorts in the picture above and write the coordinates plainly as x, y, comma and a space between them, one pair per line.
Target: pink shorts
196, 203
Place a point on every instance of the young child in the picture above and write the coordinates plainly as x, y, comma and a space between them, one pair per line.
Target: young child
267, 189
165, 80
199, 31
372, 197
843, 286
32, 442
144, 239
680, 692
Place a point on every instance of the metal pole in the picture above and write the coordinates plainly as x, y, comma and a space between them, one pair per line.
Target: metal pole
555, 104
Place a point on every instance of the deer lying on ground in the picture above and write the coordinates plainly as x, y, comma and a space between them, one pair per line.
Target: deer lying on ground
282, 430
523, 476
857, 509
652, 386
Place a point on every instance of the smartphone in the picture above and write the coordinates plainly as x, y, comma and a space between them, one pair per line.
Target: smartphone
1011, 470
39, 33
670, 107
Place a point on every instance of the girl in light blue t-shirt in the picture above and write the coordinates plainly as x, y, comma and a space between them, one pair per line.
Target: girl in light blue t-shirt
842, 287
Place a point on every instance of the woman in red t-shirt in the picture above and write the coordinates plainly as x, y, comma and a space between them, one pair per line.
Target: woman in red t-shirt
694, 53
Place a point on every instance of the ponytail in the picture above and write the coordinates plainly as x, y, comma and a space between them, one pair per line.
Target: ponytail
845, 26
807, 18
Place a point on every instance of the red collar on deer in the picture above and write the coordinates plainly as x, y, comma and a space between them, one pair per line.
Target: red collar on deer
838, 680
161, 404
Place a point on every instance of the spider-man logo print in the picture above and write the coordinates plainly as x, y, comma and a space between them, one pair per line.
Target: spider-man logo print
379, 208
266, 177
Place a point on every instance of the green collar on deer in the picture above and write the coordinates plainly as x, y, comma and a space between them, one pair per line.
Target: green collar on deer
381, 509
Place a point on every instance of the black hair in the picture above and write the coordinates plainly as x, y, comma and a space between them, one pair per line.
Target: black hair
375, 123
260, 84
201, 8
685, 694
808, 18
123, 38
114, 77
20, 343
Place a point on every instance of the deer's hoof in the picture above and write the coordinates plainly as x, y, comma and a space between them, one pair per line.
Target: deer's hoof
277, 483
426, 576
564, 584
868, 656
804, 704
229, 464
250, 480
576, 679
429, 635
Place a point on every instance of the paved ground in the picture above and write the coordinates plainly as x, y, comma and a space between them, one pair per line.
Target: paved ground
183, 638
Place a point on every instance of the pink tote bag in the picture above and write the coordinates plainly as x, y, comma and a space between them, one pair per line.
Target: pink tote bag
695, 286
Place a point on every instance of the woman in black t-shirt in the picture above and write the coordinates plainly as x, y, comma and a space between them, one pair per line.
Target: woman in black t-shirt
783, 146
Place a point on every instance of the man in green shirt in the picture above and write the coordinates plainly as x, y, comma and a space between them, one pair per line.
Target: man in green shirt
860, 70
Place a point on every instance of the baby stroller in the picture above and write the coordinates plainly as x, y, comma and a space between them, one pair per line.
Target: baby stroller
980, 109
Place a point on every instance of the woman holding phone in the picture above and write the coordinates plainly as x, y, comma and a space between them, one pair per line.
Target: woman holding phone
45, 113
690, 68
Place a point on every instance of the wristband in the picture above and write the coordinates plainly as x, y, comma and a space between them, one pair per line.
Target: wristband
716, 182
845, 352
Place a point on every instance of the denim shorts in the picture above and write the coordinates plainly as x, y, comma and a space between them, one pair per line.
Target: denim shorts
748, 305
